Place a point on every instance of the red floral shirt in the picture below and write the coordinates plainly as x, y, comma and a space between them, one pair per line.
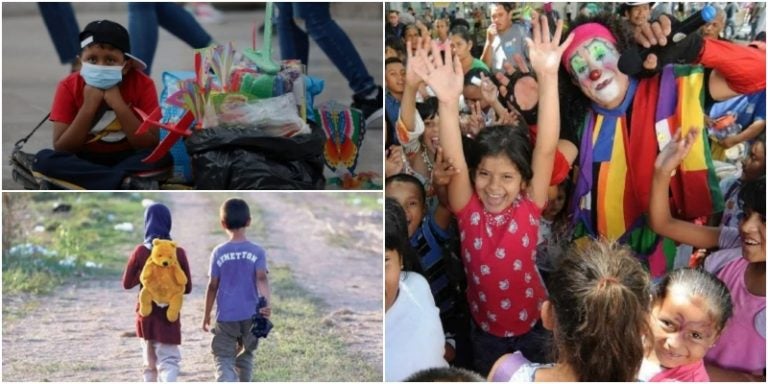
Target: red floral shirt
504, 289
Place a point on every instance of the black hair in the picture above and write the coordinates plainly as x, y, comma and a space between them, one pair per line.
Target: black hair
445, 374
698, 283
235, 213
601, 305
393, 60
510, 141
461, 31
396, 235
460, 23
428, 108
395, 43
411, 26
408, 179
752, 197
760, 36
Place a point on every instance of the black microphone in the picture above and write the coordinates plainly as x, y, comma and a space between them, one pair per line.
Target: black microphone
631, 61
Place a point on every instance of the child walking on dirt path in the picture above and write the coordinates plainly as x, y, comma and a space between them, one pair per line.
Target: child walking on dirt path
160, 338
238, 276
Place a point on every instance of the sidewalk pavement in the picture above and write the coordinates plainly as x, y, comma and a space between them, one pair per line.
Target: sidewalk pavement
31, 69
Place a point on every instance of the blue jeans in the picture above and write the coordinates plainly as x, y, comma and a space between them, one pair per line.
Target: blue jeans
294, 42
96, 171
60, 20
143, 22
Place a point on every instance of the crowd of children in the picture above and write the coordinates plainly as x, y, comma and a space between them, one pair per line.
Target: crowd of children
555, 204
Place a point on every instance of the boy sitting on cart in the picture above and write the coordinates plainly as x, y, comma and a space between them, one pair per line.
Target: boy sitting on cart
95, 145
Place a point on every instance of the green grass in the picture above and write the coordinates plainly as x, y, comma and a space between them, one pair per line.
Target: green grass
301, 347
81, 243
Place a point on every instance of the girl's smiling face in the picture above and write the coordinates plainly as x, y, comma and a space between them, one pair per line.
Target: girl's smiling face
498, 182
752, 231
683, 328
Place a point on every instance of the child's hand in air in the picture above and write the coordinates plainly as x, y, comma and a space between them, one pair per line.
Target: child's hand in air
488, 88
674, 153
443, 169
395, 161
443, 74
544, 52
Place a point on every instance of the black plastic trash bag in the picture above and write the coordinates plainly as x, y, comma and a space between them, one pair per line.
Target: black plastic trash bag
246, 158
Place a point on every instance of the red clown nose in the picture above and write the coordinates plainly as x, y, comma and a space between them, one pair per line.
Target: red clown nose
594, 74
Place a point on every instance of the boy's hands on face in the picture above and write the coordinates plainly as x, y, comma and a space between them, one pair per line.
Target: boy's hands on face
92, 96
113, 97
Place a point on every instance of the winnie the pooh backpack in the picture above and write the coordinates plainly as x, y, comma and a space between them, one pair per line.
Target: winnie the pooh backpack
163, 281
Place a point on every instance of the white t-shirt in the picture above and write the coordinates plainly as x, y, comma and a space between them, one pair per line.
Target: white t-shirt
414, 338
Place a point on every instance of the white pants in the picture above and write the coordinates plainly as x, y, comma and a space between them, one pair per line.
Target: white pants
161, 361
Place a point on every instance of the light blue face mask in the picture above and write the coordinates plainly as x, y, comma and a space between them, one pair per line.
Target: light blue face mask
101, 76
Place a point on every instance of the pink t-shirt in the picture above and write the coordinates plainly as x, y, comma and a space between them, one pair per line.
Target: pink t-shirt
504, 289
741, 346
694, 372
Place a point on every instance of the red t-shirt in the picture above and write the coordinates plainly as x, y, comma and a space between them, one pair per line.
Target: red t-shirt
137, 89
155, 326
504, 289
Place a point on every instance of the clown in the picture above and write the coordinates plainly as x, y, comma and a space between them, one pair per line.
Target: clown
625, 120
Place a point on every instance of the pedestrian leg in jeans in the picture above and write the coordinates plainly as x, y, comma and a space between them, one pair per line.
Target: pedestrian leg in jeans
59, 19
294, 42
144, 20
337, 46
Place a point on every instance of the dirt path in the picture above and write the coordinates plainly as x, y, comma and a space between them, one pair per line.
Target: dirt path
77, 333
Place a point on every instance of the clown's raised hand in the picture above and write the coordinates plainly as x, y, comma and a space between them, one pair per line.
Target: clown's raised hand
443, 73
544, 52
